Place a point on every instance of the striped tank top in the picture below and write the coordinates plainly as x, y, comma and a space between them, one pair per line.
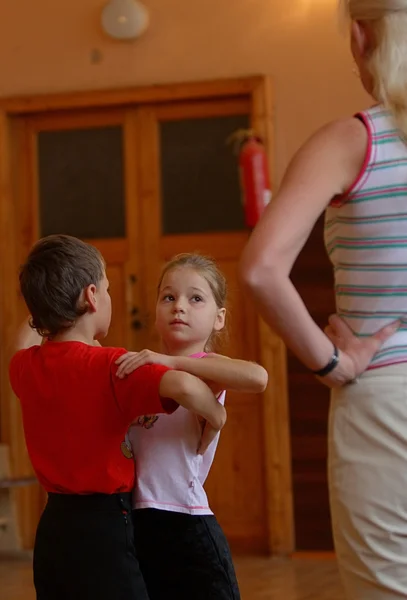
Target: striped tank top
366, 239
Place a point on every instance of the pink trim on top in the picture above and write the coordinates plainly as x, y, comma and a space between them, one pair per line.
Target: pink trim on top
144, 501
362, 176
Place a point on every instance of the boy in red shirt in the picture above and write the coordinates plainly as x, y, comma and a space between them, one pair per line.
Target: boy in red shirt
76, 413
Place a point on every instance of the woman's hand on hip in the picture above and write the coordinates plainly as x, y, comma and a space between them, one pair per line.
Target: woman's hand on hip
355, 353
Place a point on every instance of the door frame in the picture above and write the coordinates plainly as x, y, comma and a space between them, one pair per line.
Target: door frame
276, 430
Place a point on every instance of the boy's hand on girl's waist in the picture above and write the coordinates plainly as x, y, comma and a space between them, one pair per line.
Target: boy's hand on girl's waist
131, 361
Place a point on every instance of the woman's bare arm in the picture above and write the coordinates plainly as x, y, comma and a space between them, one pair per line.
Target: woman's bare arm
325, 166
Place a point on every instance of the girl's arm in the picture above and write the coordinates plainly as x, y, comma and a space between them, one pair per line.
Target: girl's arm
220, 372
226, 373
327, 165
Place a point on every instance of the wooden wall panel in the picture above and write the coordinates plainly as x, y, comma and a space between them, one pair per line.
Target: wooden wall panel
275, 399
271, 414
309, 406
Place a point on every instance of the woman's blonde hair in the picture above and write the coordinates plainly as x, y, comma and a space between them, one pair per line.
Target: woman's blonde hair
206, 267
387, 63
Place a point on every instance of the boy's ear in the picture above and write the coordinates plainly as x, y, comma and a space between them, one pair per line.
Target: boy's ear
89, 297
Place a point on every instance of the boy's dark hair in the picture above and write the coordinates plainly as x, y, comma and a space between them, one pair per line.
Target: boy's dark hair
57, 270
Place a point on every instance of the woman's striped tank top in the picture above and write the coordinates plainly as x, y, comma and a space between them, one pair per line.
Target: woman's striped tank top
366, 239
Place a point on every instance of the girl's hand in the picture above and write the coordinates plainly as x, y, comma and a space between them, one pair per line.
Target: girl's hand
355, 354
131, 361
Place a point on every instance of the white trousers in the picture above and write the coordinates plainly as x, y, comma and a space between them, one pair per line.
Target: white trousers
368, 483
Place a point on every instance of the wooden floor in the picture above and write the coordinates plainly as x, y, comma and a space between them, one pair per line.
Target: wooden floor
300, 578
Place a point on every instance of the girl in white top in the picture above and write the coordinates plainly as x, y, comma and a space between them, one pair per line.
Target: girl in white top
182, 550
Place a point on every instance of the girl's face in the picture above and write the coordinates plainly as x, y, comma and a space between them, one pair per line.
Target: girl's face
186, 312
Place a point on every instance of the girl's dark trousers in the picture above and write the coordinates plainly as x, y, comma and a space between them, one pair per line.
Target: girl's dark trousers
184, 557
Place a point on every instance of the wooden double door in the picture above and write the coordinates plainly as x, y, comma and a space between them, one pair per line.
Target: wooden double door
143, 183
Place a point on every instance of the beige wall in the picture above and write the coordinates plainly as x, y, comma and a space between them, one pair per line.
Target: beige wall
46, 45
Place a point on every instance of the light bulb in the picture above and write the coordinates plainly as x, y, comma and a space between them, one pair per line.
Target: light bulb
124, 19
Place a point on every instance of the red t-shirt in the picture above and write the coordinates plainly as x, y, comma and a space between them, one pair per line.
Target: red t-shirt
76, 413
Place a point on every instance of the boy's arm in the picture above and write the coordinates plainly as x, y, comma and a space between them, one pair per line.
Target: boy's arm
155, 389
192, 393
26, 337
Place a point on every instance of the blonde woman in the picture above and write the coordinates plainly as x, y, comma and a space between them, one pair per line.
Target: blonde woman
356, 170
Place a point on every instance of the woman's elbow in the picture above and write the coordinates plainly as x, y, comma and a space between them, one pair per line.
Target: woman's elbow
253, 274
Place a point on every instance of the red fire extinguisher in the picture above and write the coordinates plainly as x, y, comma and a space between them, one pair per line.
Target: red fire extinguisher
254, 175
